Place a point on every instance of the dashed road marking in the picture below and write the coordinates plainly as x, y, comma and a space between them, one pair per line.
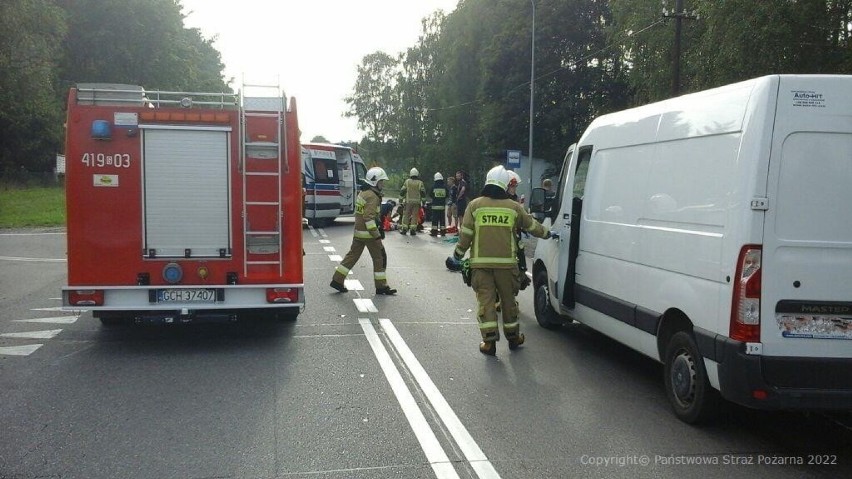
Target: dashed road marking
53, 320
365, 305
335, 257
25, 350
47, 334
329, 249
33, 260
353, 285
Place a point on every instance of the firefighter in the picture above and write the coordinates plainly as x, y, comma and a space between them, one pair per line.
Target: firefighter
411, 196
367, 234
488, 229
438, 193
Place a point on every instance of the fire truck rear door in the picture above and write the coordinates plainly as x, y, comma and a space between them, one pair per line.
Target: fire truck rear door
186, 188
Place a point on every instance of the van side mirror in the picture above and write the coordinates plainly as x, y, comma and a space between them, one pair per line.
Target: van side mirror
537, 201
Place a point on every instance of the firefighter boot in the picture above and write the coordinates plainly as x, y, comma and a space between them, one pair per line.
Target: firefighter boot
515, 341
488, 348
387, 290
339, 287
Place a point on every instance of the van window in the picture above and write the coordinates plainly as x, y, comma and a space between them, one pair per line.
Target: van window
582, 171
360, 173
325, 170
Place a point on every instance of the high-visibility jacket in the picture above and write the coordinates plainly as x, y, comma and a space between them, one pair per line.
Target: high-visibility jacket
412, 191
488, 230
439, 196
367, 209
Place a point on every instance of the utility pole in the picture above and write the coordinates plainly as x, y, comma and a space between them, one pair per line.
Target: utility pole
679, 15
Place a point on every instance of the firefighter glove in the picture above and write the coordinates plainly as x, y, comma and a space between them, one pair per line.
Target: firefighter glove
458, 256
552, 235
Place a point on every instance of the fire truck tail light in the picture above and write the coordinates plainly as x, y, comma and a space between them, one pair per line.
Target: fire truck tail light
101, 130
86, 297
282, 295
745, 307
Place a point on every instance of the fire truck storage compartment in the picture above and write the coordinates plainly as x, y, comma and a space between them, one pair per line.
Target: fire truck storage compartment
186, 188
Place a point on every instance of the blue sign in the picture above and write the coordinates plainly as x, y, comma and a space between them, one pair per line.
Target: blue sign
513, 158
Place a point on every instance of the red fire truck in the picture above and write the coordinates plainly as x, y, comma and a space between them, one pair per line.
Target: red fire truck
182, 206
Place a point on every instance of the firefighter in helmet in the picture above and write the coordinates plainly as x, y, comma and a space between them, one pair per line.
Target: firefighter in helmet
411, 196
488, 229
368, 234
439, 205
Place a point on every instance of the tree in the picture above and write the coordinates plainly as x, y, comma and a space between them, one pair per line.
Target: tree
30, 113
140, 42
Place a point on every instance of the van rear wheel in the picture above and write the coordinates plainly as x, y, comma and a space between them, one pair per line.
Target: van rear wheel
546, 316
688, 388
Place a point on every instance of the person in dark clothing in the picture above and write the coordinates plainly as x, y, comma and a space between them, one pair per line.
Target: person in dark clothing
438, 193
462, 193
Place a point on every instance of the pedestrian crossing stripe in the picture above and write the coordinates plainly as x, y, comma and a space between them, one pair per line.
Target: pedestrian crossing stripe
25, 350
48, 334
53, 320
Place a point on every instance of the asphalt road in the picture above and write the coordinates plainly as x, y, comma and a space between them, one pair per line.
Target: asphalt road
359, 386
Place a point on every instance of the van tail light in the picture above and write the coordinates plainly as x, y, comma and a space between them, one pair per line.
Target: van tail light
86, 297
282, 295
745, 307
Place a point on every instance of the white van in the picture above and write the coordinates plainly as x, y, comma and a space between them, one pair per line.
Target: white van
331, 176
713, 232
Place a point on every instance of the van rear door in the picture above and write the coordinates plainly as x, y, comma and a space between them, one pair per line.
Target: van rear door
806, 292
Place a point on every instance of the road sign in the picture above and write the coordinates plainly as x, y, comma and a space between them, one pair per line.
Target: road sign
513, 158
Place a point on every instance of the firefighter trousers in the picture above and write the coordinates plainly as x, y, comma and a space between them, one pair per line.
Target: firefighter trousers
377, 253
410, 216
489, 284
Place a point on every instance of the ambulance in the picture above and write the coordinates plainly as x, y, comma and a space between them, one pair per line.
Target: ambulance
332, 175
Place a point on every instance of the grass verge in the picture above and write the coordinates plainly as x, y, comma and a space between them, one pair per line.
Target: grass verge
36, 206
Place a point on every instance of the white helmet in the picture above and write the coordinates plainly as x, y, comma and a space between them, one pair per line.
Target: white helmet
497, 176
514, 178
374, 175
414, 172
438, 176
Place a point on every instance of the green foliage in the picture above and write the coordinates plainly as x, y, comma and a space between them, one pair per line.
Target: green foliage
30, 112
460, 97
58, 43
20, 207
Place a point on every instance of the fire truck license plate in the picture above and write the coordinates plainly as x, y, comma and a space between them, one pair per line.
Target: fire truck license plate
186, 295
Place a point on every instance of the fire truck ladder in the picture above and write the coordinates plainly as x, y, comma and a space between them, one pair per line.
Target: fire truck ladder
262, 218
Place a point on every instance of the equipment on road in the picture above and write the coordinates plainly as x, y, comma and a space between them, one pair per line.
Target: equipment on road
182, 206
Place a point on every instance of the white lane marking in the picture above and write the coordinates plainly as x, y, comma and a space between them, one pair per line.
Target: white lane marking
60, 308
329, 249
325, 241
474, 455
53, 320
47, 334
19, 350
428, 442
322, 232
31, 234
313, 231
33, 260
335, 257
365, 305
353, 285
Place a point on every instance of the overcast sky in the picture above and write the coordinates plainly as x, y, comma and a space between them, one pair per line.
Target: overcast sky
311, 47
